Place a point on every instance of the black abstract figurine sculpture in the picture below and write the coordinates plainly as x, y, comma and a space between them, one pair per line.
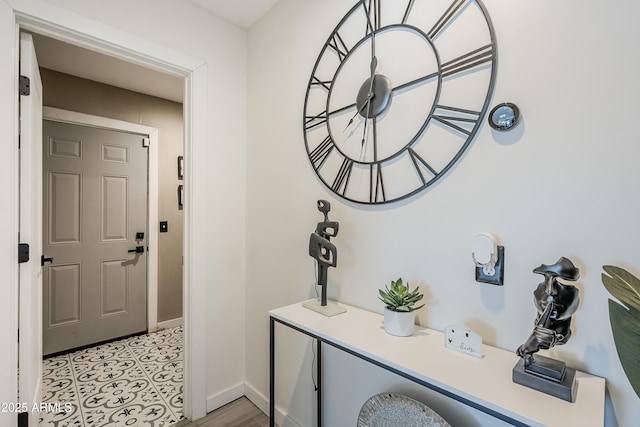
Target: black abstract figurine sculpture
322, 250
555, 302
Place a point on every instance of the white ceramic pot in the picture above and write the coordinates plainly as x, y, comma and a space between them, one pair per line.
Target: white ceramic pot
399, 323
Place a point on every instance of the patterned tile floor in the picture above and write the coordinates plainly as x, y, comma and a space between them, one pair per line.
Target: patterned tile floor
132, 382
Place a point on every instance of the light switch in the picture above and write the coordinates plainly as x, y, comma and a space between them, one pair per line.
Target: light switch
164, 226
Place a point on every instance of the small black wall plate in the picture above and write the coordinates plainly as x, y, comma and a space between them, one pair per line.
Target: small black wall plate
498, 276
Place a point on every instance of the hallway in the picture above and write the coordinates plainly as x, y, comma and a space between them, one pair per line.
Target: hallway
135, 381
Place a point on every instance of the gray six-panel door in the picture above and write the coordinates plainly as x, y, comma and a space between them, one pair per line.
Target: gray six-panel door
94, 204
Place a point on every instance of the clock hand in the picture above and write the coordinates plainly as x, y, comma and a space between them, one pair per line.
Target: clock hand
370, 95
374, 65
375, 143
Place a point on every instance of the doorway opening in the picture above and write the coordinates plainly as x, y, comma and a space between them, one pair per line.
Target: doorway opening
102, 199
79, 31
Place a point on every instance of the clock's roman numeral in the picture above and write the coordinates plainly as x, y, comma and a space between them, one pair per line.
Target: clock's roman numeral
339, 46
407, 11
376, 190
373, 15
312, 121
418, 163
446, 18
469, 60
341, 182
324, 83
454, 117
321, 152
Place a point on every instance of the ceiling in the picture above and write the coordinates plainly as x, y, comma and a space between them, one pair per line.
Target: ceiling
243, 13
69, 59
87, 64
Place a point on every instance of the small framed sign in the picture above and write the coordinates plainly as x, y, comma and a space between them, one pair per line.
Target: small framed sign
463, 339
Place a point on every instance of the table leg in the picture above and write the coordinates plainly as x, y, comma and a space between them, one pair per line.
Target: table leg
319, 376
272, 377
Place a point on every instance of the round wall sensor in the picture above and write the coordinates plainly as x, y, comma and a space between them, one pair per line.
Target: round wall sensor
504, 116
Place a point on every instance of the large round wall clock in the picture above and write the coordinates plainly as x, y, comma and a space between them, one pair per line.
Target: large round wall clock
397, 94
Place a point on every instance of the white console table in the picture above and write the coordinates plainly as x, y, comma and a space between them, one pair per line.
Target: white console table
484, 384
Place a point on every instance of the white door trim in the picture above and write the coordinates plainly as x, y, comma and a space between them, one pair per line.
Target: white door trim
75, 118
52, 21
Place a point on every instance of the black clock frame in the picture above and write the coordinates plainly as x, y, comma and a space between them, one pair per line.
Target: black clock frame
484, 54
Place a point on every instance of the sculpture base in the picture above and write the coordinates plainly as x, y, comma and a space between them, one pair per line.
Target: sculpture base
331, 309
548, 376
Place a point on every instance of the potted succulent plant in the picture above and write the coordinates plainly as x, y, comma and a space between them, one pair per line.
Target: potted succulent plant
399, 316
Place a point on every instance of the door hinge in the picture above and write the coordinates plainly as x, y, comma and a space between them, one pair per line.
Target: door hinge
23, 419
25, 86
146, 142
23, 252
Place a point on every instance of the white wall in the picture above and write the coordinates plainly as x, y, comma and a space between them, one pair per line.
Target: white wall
185, 28
563, 183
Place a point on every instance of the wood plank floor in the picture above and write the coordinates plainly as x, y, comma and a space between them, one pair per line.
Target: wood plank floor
239, 413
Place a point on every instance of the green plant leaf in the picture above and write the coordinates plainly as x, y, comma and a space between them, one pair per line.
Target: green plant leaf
389, 302
622, 285
398, 298
625, 325
398, 288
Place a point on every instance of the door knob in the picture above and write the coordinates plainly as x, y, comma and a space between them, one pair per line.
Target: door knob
44, 260
137, 250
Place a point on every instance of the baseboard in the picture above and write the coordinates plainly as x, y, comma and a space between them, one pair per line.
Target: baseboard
257, 398
282, 419
245, 389
173, 323
216, 401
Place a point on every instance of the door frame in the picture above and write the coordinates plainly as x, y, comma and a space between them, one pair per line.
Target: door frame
47, 19
89, 120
